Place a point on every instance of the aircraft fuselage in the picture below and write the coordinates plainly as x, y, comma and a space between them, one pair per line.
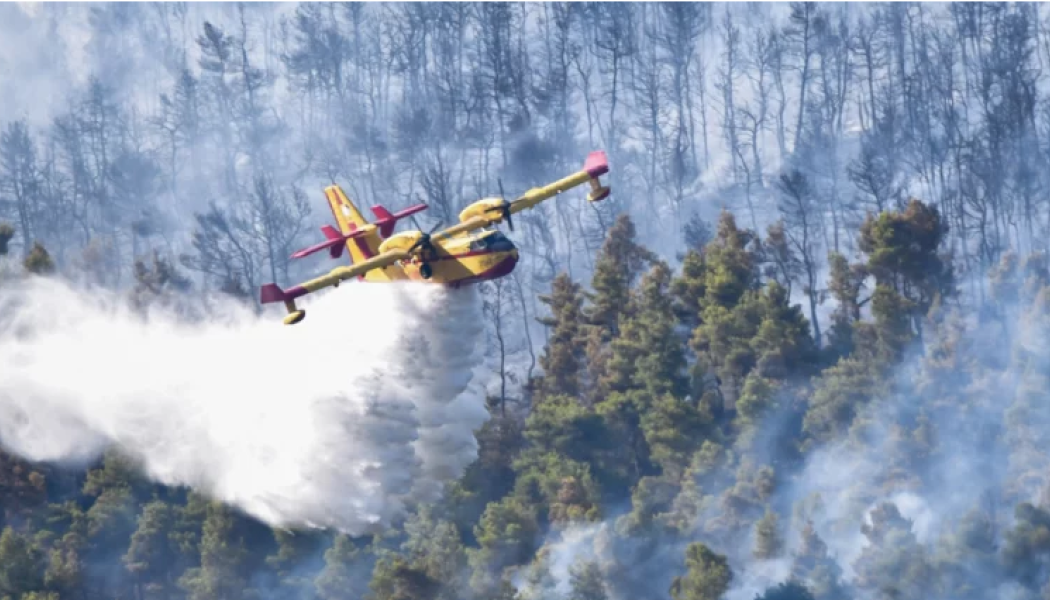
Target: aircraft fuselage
484, 256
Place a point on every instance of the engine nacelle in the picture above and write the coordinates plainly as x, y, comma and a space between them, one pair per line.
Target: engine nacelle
482, 208
400, 241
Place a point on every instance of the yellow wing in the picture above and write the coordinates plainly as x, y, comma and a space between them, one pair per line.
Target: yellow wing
595, 166
477, 222
272, 293
339, 274
490, 211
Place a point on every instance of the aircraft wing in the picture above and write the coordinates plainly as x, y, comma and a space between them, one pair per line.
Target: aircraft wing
596, 165
272, 293
469, 225
339, 274
488, 212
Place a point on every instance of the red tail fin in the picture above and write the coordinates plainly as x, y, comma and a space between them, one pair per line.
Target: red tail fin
386, 221
330, 232
381, 213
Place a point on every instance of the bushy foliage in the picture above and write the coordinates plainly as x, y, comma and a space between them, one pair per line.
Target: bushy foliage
628, 410
678, 411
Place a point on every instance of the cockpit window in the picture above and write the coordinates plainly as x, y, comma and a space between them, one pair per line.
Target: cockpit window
496, 242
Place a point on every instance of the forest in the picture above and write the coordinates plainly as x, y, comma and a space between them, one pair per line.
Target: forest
799, 353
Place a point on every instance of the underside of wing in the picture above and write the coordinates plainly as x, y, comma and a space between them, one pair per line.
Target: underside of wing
335, 276
494, 210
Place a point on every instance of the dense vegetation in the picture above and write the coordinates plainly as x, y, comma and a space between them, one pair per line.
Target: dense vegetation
695, 400
699, 426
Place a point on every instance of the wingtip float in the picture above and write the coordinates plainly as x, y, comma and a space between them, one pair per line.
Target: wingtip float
271, 293
469, 252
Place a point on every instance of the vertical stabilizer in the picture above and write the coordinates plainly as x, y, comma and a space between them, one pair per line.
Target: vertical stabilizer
363, 247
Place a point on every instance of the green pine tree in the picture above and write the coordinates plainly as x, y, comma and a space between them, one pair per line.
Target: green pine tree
345, 572
586, 581
395, 578
434, 546
20, 565
689, 288
620, 262
893, 564
813, 564
507, 537
38, 261
221, 575
910, 273
150, 555
768, 541
707, 575
845, 283
285, 564
561, 360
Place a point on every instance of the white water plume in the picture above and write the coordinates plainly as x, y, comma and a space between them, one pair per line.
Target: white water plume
334, 422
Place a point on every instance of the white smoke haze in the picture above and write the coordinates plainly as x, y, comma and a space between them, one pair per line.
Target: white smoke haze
759, 576
336, 422
293, 423
972, 467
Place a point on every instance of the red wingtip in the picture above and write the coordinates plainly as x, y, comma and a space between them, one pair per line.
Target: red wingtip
596, 164
384, 220
271, 293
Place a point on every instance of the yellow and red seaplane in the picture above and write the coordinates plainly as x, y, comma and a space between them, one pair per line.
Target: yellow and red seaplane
465, 253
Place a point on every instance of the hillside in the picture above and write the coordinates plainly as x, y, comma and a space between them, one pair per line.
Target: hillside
759, 362
687, 439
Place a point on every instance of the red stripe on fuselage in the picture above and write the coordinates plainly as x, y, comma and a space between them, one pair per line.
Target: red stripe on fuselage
362, 245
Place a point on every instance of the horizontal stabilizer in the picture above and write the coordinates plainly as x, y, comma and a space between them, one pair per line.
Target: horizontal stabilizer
334, 243
381, 213
386, 221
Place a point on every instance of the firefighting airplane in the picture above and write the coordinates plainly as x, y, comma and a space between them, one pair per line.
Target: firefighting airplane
453, 257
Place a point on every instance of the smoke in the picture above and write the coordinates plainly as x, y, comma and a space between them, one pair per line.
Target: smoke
959, 434
335, 422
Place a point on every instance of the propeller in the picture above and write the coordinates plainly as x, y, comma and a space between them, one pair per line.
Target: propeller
504, 208
424, 244
424, 238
